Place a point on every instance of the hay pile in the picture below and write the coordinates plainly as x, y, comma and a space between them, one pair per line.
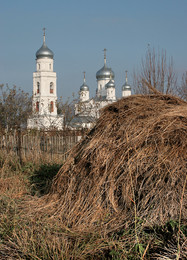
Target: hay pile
133, 163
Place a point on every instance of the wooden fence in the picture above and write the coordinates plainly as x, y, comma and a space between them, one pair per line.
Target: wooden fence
36, 145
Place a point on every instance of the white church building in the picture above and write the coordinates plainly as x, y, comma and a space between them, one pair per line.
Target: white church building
87, 110
44, 109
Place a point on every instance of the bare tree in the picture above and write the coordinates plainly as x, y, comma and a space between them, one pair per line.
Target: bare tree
182, 90
15, 107
66, 108
155, 71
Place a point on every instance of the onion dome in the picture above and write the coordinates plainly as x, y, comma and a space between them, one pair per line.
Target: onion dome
84, 87
105, 72
126, 86
44, 51
110, 84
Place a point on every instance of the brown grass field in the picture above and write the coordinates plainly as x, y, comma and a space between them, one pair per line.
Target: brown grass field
119, 195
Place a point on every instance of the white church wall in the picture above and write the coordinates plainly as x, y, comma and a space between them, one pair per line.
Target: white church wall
44, 64
111, 94
126, 93
46, 122
84, 96
44, 78
101, 87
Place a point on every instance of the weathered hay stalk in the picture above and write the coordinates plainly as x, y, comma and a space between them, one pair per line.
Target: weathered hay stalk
131, 165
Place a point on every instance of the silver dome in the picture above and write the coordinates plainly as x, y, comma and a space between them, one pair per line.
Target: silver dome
84, 87
126, 86
110, 84
105, 73
44, 52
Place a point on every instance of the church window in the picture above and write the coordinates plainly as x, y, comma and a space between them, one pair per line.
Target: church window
39, 66
50, 66
51, 106
51, 88
38, 87
37, 106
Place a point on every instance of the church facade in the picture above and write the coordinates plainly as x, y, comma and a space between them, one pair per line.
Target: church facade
87, 110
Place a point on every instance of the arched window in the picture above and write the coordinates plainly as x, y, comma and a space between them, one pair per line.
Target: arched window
37, 106
51, 106
50, 66
38, 87
51, 87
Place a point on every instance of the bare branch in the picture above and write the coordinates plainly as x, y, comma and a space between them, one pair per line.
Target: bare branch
155, 71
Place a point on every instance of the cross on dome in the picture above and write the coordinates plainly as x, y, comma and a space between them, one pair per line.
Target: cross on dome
84, 76
44, 33
105, 55
126, 76
44, 51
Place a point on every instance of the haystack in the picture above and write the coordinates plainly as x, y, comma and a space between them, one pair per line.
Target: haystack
133, 163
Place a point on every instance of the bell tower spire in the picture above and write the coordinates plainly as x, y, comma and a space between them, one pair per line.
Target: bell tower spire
105, 56
84, 76
44, 35
126, 80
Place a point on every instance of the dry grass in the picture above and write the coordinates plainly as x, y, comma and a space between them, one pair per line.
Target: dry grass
137, 153
120, 194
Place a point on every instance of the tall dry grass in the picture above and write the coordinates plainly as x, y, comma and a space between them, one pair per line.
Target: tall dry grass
120, 194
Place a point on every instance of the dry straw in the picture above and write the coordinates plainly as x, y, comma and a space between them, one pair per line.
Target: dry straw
132, 165
128, 175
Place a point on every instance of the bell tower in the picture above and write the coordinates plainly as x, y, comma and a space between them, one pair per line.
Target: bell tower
44, 90
44, 82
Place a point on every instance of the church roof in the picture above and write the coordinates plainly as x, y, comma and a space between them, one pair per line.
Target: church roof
44, 51
110, 84
105, 72
79, 120
84, 87
126, 86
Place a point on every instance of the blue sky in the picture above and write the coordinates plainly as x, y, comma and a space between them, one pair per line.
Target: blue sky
77, 31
